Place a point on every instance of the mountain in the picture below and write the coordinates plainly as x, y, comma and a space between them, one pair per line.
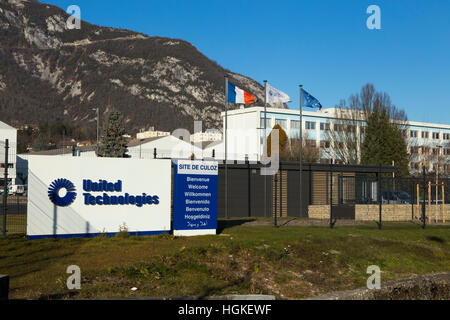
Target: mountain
50, 73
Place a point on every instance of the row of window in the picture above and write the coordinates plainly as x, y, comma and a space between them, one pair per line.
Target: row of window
427, 150
324, 126
443, 168
309, 125
426, 135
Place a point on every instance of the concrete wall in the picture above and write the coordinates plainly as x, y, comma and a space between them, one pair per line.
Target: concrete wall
319, 211
391, 212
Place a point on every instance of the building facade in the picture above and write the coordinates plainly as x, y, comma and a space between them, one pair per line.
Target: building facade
428, 143
10, 133
208, 135
151, 134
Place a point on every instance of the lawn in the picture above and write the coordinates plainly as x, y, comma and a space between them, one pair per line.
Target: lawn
290, 262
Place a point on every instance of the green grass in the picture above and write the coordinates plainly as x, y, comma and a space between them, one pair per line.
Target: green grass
291, 262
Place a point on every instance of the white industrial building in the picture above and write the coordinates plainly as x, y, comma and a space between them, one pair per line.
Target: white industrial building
168, 147
427, 142
165, 147
151, 133
10, 133
207, 136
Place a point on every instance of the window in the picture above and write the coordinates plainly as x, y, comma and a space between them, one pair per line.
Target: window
435, 135
267, 123
324, 126
295, 124
325, 144
351, 128
282, 123
310, 125
413, 134
338, 127
414, 150
446, 136
425, 134
311, 143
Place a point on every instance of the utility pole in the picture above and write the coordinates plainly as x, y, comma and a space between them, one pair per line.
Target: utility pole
437, 174
5, 187
64, 136
265, 144
98, 121
301, 151
423, 200
226, 147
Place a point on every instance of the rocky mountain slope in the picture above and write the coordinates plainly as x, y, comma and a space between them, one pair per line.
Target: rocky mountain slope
50, 73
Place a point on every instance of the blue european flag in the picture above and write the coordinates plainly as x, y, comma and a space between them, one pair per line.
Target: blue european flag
309, 101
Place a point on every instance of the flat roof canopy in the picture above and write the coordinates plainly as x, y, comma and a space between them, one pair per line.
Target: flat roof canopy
325, 167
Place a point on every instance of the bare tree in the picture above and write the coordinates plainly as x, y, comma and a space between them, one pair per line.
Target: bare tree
310, 151
434, 158
345, 133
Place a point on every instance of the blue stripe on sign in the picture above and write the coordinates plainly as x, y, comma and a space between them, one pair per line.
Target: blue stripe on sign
231, 93
93, 235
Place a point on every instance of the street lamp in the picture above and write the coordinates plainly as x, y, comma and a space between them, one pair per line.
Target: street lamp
140, 148
98, 119
437, 172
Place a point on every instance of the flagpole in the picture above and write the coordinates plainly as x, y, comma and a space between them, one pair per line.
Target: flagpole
264, 144
226, 148
301, 151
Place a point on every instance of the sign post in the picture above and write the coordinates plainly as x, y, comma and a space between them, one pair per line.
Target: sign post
195, 198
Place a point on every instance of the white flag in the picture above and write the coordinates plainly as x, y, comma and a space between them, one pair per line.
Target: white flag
274, 95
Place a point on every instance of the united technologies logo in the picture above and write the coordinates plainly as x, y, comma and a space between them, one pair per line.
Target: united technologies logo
62, 192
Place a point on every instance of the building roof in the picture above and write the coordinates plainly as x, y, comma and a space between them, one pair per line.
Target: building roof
209, 144
137, 142
6, 126
205, 144
54, 152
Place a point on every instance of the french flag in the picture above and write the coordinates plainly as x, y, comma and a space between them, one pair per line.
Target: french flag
237, 95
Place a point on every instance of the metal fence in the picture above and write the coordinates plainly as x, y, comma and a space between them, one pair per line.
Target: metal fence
244, 192
13, 205
16, 214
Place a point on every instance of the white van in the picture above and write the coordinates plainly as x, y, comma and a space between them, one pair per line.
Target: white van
17, 189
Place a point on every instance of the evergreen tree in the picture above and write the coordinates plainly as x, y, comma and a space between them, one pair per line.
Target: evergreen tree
40, 144
384, 142
113, 144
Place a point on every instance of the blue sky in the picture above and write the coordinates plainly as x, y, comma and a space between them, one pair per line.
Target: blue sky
324, 44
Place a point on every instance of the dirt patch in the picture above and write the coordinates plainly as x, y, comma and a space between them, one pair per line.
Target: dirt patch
431, 287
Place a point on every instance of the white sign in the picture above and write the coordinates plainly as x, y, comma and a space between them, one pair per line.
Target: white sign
197, 167
89, 196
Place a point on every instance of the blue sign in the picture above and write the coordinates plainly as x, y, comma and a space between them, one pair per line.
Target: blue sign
94, 199
106, 199
195, 197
